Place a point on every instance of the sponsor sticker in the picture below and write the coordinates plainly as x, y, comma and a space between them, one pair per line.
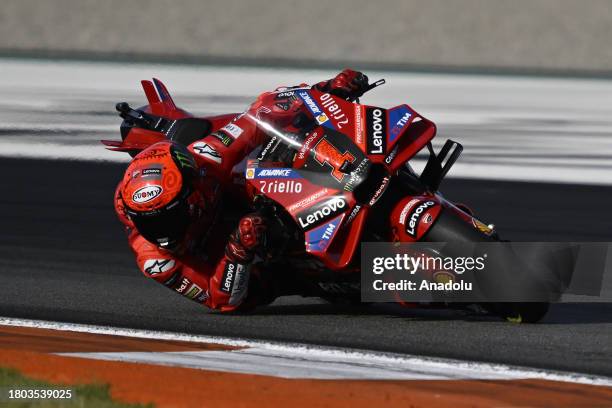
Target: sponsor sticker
283, 105
185, 283
284, 94
203, 297
280, 186
233, 130
276, 173
356, 175
184, 157
308, 200
310, 103
193, 292
152, 172
352, 215
322, 118
241, 284
379, 191
157, 266
223, 137
320, 237
415, 216
391, 155
376, 130
307, 145
228, 277
146, 194
333, 109
321, 212
207, 151
250, 173
399, 118
358, 126
407, 207
270, 147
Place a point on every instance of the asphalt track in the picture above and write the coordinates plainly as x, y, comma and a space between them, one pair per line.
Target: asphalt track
63, 256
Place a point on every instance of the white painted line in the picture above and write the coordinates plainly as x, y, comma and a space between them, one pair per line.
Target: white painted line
556, 171
305, 361
61, 152
512, 128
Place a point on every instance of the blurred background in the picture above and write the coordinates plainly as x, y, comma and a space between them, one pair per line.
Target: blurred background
522, 35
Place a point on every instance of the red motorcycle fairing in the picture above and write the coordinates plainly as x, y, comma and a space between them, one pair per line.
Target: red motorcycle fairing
413, 216
162, 106
339, 169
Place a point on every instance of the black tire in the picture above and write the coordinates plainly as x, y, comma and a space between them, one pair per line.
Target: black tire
449, 227
527, 312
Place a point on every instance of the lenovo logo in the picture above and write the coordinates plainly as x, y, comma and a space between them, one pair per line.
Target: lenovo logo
415, 216
376, 129
321, 212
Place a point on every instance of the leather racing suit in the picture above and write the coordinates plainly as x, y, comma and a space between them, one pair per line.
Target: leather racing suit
215, 265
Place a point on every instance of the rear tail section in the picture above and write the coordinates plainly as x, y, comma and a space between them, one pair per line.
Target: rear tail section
149, 124
164, 94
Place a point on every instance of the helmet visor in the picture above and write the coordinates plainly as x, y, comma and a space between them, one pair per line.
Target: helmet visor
165, 228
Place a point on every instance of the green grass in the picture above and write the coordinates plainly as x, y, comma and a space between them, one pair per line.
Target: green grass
83, 396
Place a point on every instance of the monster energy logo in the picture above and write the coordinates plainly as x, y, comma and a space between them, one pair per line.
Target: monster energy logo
184, 159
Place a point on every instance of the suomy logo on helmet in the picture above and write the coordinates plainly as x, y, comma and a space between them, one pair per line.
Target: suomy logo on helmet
145, 194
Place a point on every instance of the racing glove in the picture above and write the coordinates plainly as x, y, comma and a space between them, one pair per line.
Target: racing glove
348, 84
248, 240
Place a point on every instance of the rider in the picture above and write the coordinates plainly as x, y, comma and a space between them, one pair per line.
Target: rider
169, 201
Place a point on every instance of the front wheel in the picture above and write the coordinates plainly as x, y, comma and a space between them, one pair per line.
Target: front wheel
517, 312
449, 227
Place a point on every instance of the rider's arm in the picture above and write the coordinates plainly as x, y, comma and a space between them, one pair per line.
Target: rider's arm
246, 288
224, 148
220, 151
223, 286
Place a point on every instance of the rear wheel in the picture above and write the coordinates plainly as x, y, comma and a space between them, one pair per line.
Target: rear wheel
449, 227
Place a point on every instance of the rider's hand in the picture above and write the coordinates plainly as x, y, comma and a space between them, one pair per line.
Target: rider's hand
248, 239
278, 108
348, 84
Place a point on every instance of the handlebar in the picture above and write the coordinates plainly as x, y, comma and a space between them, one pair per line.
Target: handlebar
373, 85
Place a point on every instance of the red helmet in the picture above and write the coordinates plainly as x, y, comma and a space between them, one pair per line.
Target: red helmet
163, 195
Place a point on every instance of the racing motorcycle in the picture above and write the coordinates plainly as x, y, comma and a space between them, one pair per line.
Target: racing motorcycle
337, 176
